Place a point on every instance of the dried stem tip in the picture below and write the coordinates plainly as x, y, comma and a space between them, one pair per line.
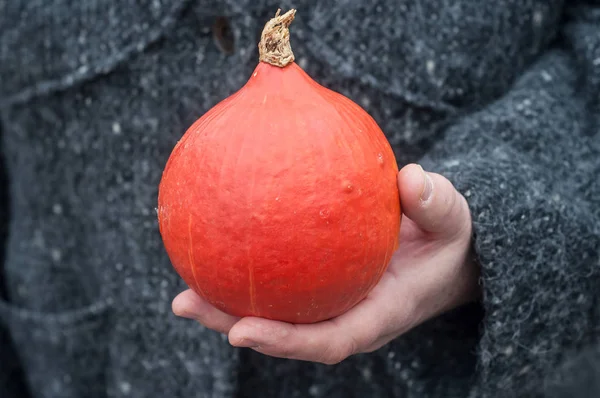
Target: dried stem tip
274, 47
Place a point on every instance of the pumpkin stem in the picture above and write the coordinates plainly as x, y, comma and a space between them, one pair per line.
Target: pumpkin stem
274, 47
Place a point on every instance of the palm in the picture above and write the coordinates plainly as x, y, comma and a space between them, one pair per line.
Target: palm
422, 257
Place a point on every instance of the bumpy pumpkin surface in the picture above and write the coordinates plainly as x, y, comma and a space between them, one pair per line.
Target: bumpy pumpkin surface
281, 201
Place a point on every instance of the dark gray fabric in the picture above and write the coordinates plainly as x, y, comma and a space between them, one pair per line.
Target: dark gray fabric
501, 96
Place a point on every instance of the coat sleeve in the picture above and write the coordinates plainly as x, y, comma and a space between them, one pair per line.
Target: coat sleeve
529, 166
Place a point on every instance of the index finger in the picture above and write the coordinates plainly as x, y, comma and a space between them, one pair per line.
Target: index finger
328, 342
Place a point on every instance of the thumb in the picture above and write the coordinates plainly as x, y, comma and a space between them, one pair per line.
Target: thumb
432, 202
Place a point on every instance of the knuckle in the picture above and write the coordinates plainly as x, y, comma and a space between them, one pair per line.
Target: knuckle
337, 353
374, 347
352, 346
463, 215
332, 360
454, 211
369, 338
451, 205
404, 317
330, 357
286, 352
410, 316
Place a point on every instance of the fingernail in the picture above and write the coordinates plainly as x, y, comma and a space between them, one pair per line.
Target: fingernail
178, 311
184, 314
187, 314
247, 343
427, 186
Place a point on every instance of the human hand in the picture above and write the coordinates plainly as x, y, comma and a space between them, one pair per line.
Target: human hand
431, 272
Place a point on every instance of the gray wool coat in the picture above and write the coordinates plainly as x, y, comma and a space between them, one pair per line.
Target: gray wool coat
500, 96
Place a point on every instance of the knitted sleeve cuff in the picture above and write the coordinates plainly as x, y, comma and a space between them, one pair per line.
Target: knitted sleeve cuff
526, 169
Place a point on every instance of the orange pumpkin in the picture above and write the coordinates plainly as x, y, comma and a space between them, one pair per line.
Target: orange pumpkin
281, 201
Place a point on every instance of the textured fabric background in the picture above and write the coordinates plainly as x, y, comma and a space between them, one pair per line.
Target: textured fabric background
502, 97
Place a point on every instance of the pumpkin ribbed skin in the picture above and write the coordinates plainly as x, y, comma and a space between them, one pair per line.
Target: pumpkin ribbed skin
281, 201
